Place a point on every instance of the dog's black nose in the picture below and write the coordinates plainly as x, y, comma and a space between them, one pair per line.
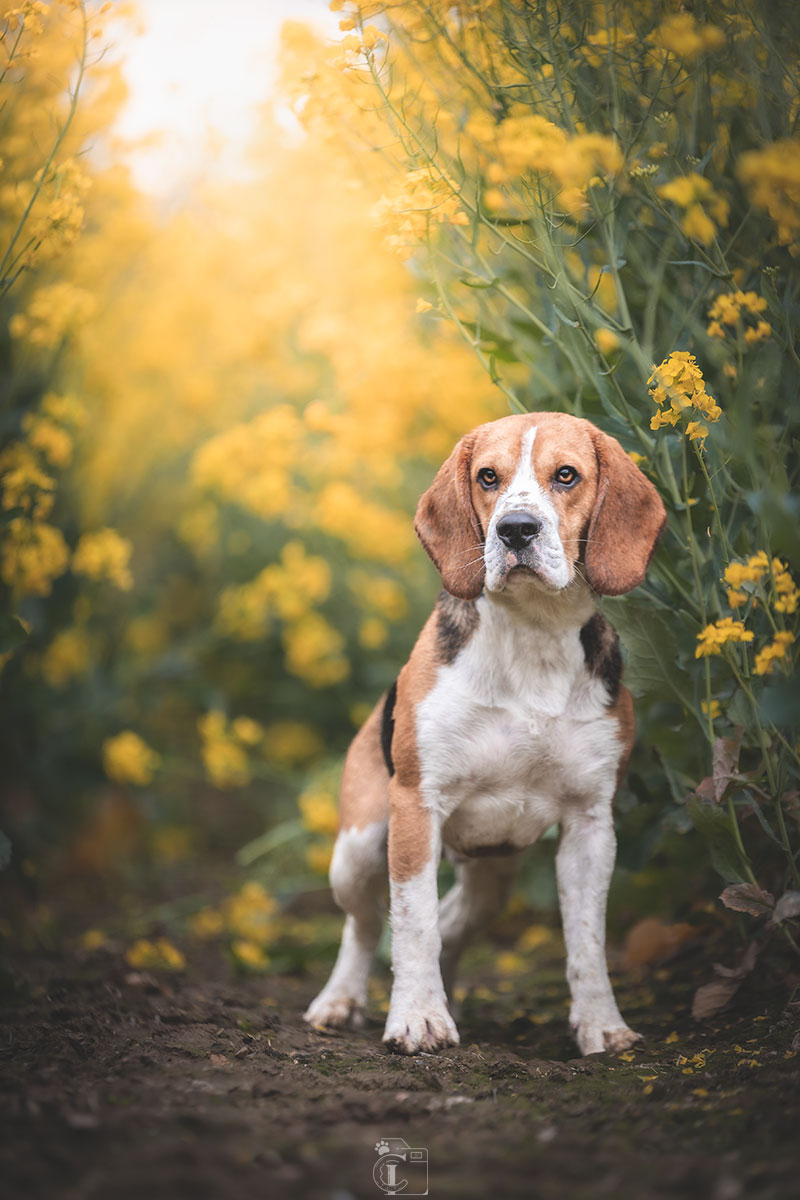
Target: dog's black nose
517, 529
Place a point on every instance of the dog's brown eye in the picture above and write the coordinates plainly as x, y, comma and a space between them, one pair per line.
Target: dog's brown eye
487, 478
566, 476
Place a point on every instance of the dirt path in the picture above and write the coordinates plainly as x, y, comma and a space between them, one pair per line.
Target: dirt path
117, 1084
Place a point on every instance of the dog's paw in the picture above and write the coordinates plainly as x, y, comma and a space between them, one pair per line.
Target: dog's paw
620, 1038
412, 1030
333, 1010
598, 1036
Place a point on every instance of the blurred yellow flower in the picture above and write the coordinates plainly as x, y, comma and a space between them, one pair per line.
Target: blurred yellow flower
509, 962
246, 730
104, 555
703, 207
128, 759
534, 937
53, 311
318, 857
685, 37
33, 555
49, 438
372, 633
319, 811
93, 939
315, 651
773, 178
172, 843
251, 913
249, 954
207, 923
155, 955
66, 657
292, 742
606, 341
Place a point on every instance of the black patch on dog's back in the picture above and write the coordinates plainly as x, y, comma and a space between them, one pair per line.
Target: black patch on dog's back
456, 621
602, 653
387, 726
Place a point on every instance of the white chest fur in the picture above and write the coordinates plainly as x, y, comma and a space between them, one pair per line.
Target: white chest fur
515, 729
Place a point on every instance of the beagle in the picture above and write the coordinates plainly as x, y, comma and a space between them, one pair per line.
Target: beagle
508, 717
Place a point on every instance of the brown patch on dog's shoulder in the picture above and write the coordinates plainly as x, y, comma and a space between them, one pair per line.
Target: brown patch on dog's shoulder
456, 621
364, 792
622, 711
410, 821
602, 653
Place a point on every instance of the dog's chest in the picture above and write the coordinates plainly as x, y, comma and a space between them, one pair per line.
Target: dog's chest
512, 731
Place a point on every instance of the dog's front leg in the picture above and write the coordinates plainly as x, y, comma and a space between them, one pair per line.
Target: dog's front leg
419, 1018
584, 865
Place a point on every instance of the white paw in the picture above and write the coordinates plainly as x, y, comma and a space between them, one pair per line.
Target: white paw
333, 1010
425, 1027
595, 1035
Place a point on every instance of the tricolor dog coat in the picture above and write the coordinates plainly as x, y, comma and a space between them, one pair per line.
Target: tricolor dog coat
509, 717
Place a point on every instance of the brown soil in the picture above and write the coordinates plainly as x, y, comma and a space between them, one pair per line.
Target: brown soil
119, 1084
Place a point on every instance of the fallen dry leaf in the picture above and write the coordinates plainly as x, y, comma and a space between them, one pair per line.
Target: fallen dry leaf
651, 940
748, 898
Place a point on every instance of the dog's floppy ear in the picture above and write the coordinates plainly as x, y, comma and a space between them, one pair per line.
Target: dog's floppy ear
626, 522
448, 527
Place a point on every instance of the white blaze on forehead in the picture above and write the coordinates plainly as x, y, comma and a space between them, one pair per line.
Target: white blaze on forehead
524, 490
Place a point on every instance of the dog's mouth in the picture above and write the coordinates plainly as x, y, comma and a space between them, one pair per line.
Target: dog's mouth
527, 574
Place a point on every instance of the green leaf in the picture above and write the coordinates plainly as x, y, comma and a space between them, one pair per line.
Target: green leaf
780, 704
477, 281
5, 851
738, 710
278, 836
13, 634
715, 825
651, 650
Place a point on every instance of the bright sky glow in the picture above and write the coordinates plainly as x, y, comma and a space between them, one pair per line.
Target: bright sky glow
198, 72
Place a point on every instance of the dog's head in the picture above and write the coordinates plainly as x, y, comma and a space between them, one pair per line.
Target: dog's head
535, 499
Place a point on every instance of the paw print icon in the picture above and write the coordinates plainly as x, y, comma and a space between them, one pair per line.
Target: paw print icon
401, 1170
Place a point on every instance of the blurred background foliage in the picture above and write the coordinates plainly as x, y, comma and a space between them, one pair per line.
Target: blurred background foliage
217, 421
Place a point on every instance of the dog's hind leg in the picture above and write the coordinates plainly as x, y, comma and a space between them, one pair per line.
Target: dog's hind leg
358, 878
479, 894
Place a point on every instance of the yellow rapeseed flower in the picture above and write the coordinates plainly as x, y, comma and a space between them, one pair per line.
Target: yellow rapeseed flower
685, 37
128, 759
156, 955
292, 742
104, 555
677, 387
606, 341
249, 954
66, 657
714, 637
736, 310
773, 178
319, 811
251, 913
775, 651
318, 857
207, 923
33, 555
703, 207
